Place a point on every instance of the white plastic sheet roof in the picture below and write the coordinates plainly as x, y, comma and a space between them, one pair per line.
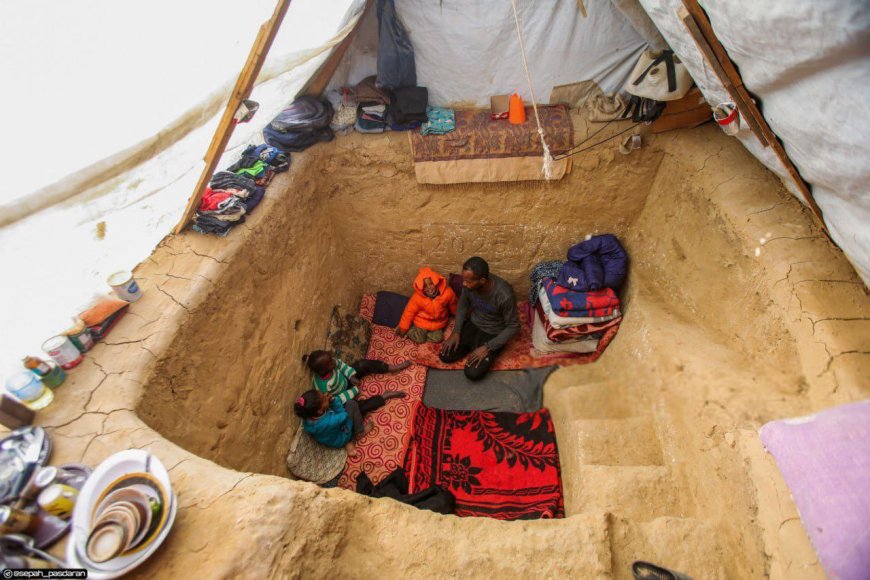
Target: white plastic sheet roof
86, 90
467, 50
809, 63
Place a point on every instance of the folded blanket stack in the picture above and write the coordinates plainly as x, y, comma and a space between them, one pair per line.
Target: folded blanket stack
575, 301
234, 193
371, 118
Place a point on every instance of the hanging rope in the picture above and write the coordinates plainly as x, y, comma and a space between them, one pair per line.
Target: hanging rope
547, 168
605, 140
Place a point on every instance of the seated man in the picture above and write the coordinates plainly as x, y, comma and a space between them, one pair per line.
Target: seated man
492, 322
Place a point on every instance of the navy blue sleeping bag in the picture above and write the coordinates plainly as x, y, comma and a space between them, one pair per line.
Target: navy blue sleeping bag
599, 262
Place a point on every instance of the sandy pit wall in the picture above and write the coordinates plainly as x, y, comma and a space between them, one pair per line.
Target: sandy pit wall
394, 225
354, 219
225, 388
684, 382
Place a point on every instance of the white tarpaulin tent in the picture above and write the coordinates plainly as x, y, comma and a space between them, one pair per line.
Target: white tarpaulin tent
467, 51
109, 126
808, 61
87, 91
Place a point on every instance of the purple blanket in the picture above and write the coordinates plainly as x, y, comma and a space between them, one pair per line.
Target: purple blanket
825, 460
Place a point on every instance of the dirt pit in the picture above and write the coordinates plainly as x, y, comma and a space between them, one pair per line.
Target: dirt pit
657, 440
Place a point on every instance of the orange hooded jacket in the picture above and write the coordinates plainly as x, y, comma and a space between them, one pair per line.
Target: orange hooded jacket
429, 313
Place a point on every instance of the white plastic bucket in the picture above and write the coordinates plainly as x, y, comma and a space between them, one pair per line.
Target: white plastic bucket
125, 286
63, 351
728, 118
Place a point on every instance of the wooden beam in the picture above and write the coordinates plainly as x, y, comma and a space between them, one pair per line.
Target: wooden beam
317, 84
717, 59
241, 91
712, 61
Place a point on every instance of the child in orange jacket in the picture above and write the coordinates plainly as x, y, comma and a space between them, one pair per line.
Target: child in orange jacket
429, 308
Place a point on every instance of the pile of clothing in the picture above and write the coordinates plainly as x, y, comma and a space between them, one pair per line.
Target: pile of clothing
344, 104
305, 122
232, 194
440, 121
371, 118
262, 162
380, 109
575, 301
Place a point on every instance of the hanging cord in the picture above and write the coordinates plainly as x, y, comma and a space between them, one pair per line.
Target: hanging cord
570, 154
587, 139
547, 168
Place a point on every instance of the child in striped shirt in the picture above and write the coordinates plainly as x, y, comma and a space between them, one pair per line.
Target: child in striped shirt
340, 380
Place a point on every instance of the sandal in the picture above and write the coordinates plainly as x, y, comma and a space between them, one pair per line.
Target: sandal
647, 571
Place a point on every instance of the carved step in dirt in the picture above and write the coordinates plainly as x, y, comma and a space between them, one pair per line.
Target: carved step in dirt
681, 544
601, 400
642, 493
618, 442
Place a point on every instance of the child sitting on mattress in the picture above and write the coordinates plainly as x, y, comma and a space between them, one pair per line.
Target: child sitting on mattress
340, 380
334, 424
429, 308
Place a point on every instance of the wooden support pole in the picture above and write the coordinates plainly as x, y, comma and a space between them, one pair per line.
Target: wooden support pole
241, 91
716, 57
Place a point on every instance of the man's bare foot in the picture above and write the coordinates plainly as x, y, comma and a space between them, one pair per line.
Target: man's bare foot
367, 428
394, 395
350, 448
400, 366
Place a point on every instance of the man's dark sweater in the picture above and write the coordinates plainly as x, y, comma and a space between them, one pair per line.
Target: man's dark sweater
494, 312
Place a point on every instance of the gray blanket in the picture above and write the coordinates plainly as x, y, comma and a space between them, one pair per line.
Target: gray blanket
519, 391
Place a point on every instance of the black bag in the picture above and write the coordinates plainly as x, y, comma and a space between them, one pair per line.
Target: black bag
304, 114
395, 486
293, 141
643, 110
409, 105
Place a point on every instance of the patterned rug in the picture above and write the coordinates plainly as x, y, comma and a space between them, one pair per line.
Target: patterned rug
478, 137
383, 449
498, 465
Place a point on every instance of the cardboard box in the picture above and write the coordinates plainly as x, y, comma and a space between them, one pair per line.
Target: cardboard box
499, 107
690, 111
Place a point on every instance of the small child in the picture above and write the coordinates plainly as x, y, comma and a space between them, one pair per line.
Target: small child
429, 308
334, 424
340, 380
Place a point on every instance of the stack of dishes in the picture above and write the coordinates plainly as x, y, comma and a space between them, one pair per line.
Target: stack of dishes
124, 512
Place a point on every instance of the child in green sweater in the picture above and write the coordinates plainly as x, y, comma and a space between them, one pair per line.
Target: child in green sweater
340, 380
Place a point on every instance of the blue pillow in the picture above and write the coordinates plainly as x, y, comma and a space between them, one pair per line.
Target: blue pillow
389, 307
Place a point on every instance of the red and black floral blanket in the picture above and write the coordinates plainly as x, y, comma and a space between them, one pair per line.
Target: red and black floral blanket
498, 465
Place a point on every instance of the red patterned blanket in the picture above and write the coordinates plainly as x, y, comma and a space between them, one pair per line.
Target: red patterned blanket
498, 465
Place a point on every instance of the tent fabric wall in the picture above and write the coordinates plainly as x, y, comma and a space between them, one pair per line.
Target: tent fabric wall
59, 245
211, 96
808, 62
467, 50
